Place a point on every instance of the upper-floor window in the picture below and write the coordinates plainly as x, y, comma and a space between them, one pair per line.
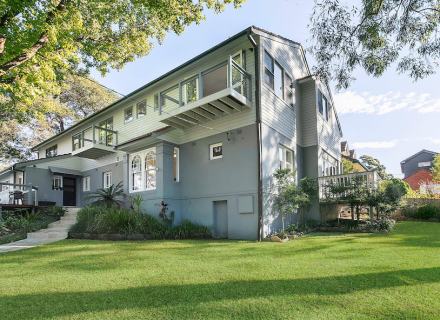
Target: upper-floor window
141, 109
286, 158
425, 164
76, 141
143, 170
216, 151
128, 114
269, 70
324, 107
106, 137
288, 95
107, 177
52, 151
57, 183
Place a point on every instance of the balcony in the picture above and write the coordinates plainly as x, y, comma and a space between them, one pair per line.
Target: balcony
85, 145
213, 93
370, 179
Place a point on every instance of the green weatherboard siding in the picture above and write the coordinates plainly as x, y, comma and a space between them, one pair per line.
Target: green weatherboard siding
319, 276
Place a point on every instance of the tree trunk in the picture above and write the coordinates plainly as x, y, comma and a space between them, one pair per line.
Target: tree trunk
371, 216
352, 212
358, 213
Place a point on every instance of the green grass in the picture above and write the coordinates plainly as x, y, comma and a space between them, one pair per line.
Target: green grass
319, 276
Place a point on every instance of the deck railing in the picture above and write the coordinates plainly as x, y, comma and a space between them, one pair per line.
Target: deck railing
106, 137
370, 180
14, 193
226, 74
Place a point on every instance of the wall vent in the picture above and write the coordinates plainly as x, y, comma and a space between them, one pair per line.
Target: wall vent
118, 159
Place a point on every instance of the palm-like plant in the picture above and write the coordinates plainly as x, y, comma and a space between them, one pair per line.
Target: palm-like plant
107, 198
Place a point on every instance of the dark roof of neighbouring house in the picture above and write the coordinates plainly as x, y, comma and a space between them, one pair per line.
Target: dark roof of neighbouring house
414, 155
343, 145
352, 153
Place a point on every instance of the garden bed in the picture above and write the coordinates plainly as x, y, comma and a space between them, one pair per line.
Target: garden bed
132, 237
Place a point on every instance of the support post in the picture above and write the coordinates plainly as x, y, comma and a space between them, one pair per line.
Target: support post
82, 139
93, 134
159, 101
200, 85
180, 94
30, 200
230, 72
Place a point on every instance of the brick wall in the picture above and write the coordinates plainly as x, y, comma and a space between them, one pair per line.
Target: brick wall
417, 177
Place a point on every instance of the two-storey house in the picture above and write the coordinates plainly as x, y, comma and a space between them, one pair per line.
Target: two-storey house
205, 137
417, 168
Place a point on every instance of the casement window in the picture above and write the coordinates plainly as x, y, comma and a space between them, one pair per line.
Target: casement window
288, 95
286, 158
269, 70
57, 183
278, 82
141, 109
4, 188
105, 137
424, 164
325, 108
176, 164
128, 114
86, 183
190, 91
107, 177
52, 151
76, 142
216, 151
143, 170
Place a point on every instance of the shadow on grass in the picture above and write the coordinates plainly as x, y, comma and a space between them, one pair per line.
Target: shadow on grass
191, 296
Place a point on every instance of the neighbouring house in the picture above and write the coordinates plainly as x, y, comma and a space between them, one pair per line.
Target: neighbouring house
205, 137
417, 168
350, 155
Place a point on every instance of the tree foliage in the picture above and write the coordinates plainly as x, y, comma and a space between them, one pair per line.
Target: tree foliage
348, 166
374, 34
373, 164
41, 39
78, 98
436, 169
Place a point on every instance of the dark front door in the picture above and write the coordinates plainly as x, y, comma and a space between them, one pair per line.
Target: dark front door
69, 192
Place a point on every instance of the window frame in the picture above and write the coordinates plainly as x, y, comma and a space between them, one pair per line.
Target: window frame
271, 73
282, 157
50, 149
103, 136
104, 182
176, 164
137, 109
142, 155
59, 178
86, 183
132, 115
211, 149
289, 88
423, 164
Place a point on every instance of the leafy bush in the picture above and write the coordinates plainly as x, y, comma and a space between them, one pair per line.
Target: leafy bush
385, 225
125, 221
427, 212
409, 210
54, 211
107, 198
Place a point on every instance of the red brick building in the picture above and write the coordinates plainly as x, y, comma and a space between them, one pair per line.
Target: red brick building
414, 180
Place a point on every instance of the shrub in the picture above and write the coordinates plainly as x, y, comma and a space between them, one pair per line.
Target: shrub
120, 221
87, 220
108, 198
427, 212
409, 210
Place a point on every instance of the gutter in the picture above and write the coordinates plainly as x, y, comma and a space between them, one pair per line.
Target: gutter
260, 144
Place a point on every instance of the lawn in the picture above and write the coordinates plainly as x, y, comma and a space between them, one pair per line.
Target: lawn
319, 276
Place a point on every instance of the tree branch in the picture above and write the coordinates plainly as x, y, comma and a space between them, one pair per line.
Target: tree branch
89, 37
366, 17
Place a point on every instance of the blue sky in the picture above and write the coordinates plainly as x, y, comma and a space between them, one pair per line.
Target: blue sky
389, 118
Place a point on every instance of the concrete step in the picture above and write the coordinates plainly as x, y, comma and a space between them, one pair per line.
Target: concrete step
59, 224
58, 234
70, 218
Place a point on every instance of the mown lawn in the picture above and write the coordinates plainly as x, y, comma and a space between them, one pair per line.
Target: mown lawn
320, 276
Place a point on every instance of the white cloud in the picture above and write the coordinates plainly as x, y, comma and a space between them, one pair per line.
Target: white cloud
433, 140
364, 102
376, 144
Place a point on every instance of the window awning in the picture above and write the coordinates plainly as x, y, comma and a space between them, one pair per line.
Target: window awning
65, 171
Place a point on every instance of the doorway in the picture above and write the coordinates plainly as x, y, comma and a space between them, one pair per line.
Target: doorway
69, 192
221, 219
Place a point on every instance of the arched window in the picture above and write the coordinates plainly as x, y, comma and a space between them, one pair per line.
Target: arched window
150, 170
136, 173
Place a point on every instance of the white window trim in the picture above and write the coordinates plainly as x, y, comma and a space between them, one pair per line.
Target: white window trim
108, 173
211, 147
86, 183
283, 157
177, 164
60, 179
424, 164
142, 155
132, 114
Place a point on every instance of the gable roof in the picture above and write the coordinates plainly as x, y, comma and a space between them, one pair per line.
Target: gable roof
402, 163
252, 29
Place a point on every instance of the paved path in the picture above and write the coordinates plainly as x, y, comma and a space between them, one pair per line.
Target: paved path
56, 231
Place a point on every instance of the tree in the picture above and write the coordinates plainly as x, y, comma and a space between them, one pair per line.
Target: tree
41, 40
285, 200
77, 99
373, 35
436, 169
374, 165
348, 166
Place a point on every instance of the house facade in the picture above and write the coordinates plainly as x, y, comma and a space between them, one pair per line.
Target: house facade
417, 168
205, 137
350, 155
